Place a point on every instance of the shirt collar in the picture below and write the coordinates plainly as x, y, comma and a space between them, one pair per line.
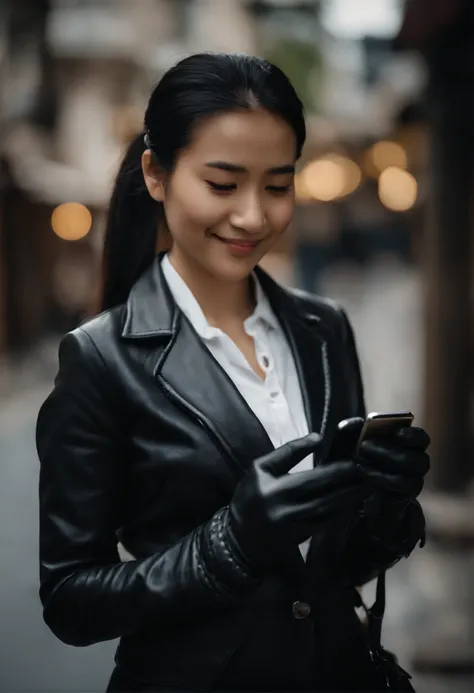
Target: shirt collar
263, 311
188, 304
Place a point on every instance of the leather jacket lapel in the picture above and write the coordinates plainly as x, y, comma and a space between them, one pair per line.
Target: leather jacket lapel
188, 373
191, 377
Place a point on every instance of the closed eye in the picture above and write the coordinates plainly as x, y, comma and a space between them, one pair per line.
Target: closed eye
279, 188
221, 188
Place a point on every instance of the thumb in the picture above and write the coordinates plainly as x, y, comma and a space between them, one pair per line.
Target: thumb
288, 455
345, 439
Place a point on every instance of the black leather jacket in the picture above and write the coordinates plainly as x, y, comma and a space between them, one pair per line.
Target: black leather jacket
143, 439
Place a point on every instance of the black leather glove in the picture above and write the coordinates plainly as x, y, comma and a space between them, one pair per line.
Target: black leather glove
394, 467
273, 511
389, 522
397, 466
397, 463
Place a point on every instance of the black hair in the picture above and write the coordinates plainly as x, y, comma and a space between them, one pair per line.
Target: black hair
197, 87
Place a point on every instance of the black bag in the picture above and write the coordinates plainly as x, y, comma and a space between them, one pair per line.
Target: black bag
388, 670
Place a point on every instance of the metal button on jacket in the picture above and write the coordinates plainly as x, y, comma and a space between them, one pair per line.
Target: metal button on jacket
301, 610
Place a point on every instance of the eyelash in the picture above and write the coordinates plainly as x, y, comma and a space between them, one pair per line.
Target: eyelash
228, 188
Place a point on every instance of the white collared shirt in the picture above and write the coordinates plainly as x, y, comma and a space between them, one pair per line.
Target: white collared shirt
276, 401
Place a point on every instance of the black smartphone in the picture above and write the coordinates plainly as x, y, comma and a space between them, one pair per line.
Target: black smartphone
379, 425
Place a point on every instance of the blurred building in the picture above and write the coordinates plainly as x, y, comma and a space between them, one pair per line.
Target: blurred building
76, 75
76, 78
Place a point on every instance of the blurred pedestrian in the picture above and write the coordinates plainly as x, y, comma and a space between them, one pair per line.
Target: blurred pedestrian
168, 516
316, 244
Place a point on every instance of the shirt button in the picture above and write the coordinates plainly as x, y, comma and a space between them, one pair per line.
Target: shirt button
301, 610
274, 394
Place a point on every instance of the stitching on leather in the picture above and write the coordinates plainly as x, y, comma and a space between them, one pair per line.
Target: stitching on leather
225, 547
200, 566
327, 387
210, 580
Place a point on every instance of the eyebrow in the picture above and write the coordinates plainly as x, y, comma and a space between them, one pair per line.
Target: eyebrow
234, 168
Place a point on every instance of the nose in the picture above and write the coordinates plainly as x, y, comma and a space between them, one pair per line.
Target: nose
250, 217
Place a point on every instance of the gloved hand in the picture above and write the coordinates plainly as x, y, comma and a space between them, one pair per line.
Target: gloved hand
396, 463
272, 511
394, 468
344, 441
389, 521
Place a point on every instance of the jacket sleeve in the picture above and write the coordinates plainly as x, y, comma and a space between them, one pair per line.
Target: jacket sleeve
88, 594
383, 531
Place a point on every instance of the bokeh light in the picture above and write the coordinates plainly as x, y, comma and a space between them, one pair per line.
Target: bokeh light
352, 173
398, 189
71, 221
331, 177
302, 193
324, 179
384, 154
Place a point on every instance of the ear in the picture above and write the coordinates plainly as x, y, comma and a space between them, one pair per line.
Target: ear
154, 176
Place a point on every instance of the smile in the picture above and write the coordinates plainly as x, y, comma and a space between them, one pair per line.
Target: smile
242, 244
238, 247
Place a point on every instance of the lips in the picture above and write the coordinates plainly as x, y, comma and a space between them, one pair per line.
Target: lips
240, 244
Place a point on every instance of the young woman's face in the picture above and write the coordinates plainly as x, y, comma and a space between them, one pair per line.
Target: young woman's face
233, 183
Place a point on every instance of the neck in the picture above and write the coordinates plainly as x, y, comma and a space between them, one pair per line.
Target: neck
223, 303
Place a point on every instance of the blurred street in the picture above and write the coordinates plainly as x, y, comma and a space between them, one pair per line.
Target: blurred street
32, 660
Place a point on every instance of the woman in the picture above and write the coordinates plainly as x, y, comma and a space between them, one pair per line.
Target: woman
179, 412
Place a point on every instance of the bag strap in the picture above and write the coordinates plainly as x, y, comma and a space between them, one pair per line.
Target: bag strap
376, 613
397, 679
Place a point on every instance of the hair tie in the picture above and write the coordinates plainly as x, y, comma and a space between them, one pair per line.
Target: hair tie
147, 140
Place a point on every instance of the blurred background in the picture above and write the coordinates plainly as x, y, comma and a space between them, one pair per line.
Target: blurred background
383, 224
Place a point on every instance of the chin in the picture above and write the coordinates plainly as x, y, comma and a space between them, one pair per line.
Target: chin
234, 270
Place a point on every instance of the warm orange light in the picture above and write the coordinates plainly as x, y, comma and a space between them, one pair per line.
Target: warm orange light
71, 221
352, 173
302, 193
323, 179
331, 177
384, 154
398, 189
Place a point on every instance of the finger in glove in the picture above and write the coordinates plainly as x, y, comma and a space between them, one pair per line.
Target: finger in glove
312, 513
389, 458
335, 503
396, 483
413, 437
319, 482
283, 459
345, 439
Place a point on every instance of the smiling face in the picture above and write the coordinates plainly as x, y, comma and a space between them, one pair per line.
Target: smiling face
230, 196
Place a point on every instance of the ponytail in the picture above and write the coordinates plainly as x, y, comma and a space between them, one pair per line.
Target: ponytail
131, 231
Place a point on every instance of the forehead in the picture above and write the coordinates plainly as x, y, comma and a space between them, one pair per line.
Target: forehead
254, 139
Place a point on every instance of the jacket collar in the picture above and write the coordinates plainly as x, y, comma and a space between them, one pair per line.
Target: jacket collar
151, 310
